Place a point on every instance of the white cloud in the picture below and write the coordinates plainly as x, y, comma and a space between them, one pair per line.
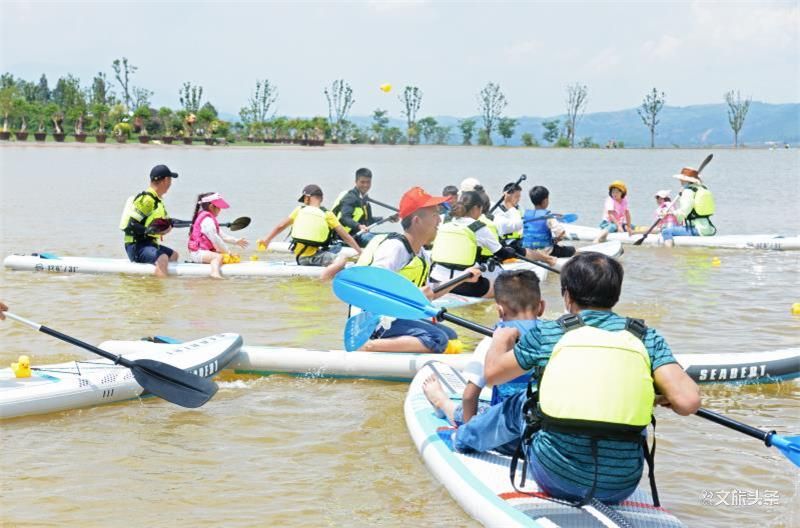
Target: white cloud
523, 51
762, 26
604, 61
666, 47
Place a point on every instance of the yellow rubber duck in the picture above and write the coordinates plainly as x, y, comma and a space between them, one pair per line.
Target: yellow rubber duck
454, 346
22, 368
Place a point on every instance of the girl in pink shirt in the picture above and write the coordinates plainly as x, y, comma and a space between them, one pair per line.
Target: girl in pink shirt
664, 211
616, 215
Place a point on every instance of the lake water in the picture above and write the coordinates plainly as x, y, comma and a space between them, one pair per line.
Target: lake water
310, 452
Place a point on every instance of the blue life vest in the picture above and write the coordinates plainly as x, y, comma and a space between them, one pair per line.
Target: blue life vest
535, 233
500, 393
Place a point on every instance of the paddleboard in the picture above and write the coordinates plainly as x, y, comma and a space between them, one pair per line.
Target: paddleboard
728, 368
87, 383
773, 242
480, 483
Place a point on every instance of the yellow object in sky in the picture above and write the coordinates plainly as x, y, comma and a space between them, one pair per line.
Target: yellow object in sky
386, 88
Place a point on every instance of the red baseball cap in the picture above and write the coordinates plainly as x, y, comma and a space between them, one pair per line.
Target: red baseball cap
415, 199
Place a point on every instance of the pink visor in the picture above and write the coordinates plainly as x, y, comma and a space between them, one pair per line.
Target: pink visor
215, 199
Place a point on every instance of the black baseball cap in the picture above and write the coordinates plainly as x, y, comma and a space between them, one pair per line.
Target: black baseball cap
310, 190
159, 172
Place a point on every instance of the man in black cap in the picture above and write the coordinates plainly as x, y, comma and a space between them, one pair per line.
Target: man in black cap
145, 221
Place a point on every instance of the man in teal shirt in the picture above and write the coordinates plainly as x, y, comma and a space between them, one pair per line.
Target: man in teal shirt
565, 465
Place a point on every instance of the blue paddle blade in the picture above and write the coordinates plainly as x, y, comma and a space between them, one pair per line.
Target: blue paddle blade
568, 218
789, 446
358, 330
383, 292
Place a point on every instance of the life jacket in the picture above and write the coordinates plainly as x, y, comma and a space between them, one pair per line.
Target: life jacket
456, 246
704, 205
485, 253
134, 222
416, 269
310, 227
535, 231
516, 212
359, 212
596, 383
197, 239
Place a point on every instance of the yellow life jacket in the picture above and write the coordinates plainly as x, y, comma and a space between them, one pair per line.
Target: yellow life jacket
516, 212
358, 212
310, 228
485, 253
416, 270
134, 222
704, 205
456, 246
597, 381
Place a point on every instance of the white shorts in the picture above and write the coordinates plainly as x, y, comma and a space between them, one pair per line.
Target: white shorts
197, 256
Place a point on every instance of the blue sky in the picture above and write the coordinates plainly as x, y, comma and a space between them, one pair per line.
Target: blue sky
693, 51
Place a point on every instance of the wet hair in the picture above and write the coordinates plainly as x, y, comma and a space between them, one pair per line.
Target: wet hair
512, 188
363, 172
592, 279
538, 194
465, 203
450, 190
517, 291
198, 206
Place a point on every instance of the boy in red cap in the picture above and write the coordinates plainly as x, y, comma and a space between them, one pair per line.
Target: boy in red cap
405, 254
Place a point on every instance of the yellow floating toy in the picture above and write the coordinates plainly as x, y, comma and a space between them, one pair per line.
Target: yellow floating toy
262, 246
22, 368
716, 261
454, 346
796, 309
253, 257
386, 88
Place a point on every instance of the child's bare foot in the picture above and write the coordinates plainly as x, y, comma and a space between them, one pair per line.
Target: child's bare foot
436, 395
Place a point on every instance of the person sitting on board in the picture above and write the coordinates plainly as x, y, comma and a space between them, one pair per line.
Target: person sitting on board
405, 254
313, 227
463, 242
695, 207
508, 215
207, 244
664, 214
451, 193
596, 373
518, 302
354, 210
616, 215
145, 222
541, 231
3, 308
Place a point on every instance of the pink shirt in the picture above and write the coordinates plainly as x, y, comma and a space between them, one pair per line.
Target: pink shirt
619, 209
669, 219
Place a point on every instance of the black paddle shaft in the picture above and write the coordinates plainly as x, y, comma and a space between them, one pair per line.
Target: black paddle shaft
455, 280
764, 436
77, 342
537, 263
497, 204
387, 206
475, 327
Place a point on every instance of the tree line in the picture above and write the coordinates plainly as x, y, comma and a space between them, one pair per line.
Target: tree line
119, 107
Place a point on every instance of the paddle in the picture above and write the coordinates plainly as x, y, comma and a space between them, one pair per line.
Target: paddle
387, 206
236, 225
658, 220
497, 204
788, 445
165, 381
379, 222
384, 292
361, 326
566, 218
536, 263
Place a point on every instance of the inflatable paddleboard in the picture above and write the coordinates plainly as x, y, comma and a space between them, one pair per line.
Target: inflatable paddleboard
78, 384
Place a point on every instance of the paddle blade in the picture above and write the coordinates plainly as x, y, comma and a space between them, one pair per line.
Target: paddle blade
568, 218
789, 446
240, 223
173, 384
358, 330
383, 292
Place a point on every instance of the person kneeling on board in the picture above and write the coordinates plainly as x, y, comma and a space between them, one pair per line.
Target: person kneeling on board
312, 230
145, 222
541, 232
518, 301
405, 255
583, 432
207, 244
695, 207
464, 241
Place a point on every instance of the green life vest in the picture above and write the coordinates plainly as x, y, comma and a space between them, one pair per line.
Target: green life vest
416, 270
704, 205
518, 214
456, 246
485, 253
310, 227
134, 222
358, 211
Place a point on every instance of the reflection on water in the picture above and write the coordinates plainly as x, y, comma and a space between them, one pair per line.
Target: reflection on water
311, 452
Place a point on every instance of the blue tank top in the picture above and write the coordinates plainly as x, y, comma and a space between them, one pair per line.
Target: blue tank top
535, 233
508, 389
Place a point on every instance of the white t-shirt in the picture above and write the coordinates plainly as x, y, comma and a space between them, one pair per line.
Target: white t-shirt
209, 229
483, 236
508, 221
393, 255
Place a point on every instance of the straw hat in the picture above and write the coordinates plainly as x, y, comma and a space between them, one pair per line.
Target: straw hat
688, 174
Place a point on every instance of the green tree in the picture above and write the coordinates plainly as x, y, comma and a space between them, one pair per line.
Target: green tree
8, 93
427, 127
505, 127
737, 112
412, 101
551, 130
442, 134
379, 124
467, 127
562, 142
206, 117
257, 111
651, 106
577, 95
123, 71
529, 140
166, 115
190, 97
491, 103
42, 93
394, 135
142, 116
483, 137
21, 109
588, 143
101, 90
100, 114
340, 101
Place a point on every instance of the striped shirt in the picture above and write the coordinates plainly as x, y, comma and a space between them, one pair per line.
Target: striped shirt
567, 456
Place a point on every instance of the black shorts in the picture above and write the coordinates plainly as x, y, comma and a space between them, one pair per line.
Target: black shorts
473, 289
562, 251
